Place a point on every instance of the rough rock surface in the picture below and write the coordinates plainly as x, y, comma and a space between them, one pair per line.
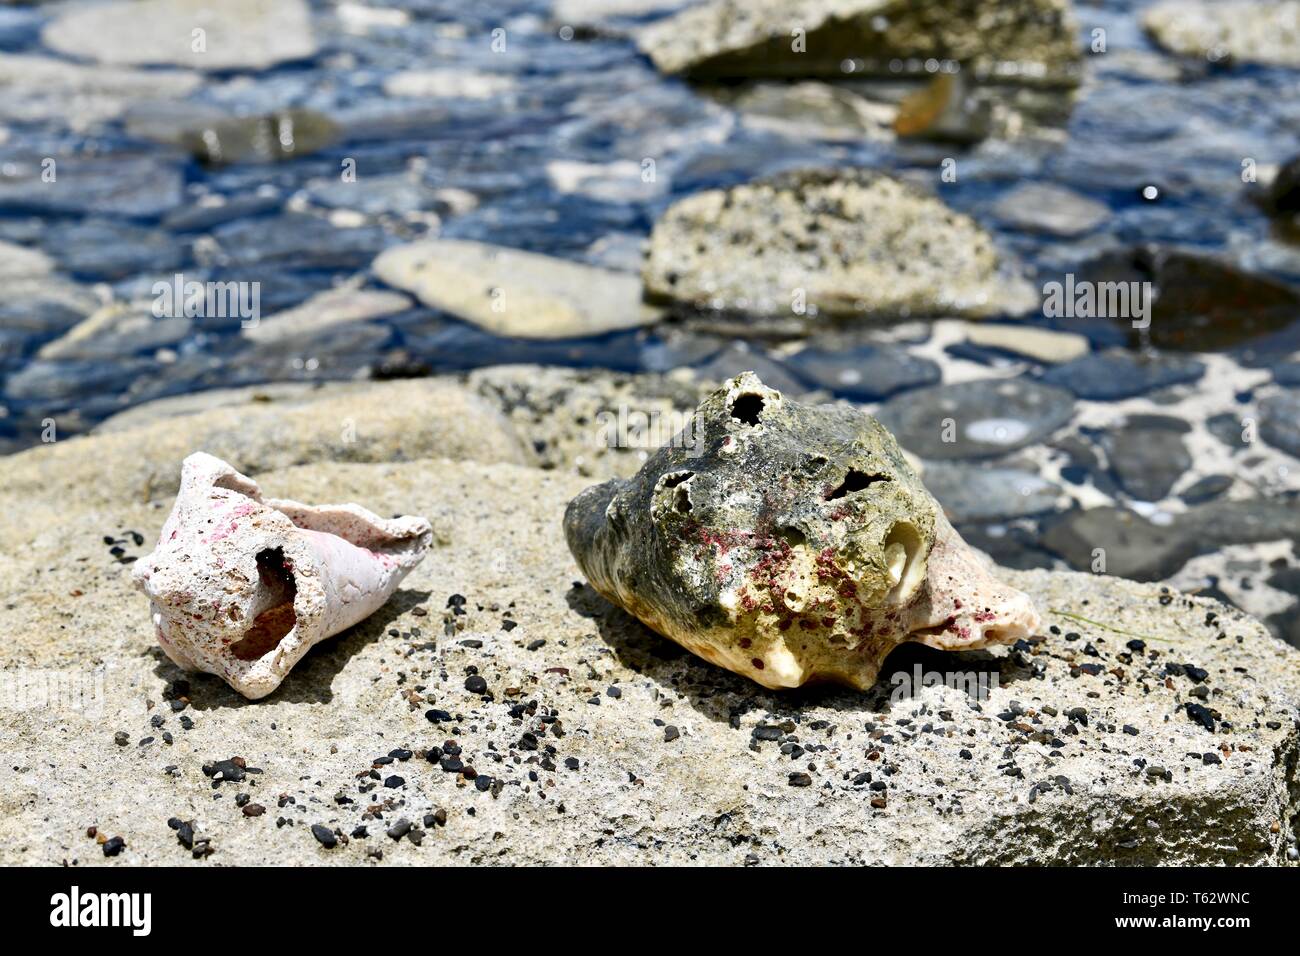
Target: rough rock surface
515, 293
238, 34
641, 752
1025, 39
1247, 31
382, 422
835, 243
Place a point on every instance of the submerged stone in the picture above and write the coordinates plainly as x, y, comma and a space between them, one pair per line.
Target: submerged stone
787, 543
977, 419
1191, 302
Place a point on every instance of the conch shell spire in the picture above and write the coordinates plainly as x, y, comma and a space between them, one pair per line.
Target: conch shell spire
242, 587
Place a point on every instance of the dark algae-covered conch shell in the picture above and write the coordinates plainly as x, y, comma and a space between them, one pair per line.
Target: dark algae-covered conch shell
789, 543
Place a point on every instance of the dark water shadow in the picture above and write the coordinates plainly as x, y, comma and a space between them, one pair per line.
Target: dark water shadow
312, 678
722, 696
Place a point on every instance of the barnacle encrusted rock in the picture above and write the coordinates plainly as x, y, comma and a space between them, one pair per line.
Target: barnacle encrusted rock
815, 244
1022, 40
788, 542
242, 587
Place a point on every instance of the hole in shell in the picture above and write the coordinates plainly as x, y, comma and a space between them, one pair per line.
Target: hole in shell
747, 408
271, 625
854, 481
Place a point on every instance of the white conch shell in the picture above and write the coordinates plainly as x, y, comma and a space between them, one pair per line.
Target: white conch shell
242, 587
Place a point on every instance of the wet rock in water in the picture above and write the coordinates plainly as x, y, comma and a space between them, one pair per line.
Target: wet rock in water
742, 357
117, 329
1041, 345
297, 241
1230, 428
44, 304
789, 543
237, 34
1129, 546
1279, 423
1021, 40
945, 110
36, 89
1245, 31
1206, 489
867, 373
275, 137
808, 110
1282, 197
979, 419
515, 293
974, 493
1287, 374
64, 383
827, 243
1115, 374
1147, 455
325, 311
1049, 208
215, 210
107, 249
394, 194
1196, 303
142, 187
616, 182
17, 262
449, 84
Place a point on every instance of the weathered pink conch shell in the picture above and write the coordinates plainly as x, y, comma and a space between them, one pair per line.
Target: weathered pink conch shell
243, 587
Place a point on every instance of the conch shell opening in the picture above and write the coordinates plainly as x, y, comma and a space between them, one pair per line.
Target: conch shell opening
242, 587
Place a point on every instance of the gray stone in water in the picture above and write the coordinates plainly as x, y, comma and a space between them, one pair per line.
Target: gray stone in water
980, 419
141, 187
237, 34
1135, 548
296, 241
107, 249
811, 245
1279, 423
65, 382
788, 542
971, 493
867, 373
1206, 489
275, 137
1229, 428
1115, 374
1246, 31
1288, 374
392, 194
511, 292
1197, 303
1148, 457
1019, 39
1051, 209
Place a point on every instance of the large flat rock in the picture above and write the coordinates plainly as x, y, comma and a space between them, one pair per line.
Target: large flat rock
598, 741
